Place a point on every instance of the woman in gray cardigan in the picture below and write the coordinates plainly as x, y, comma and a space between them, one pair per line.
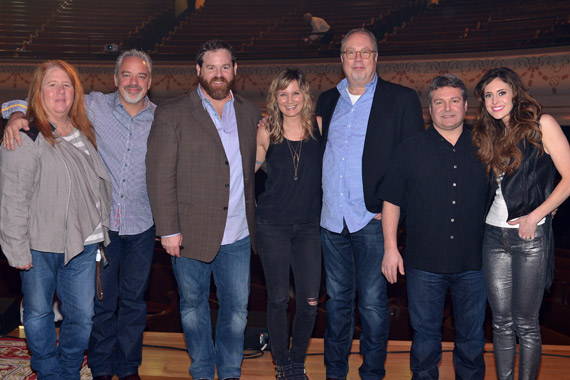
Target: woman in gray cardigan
54, 198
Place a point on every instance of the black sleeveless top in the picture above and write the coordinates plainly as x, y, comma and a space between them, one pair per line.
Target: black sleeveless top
285, 200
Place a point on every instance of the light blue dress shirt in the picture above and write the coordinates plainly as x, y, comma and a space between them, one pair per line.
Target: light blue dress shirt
236, 223
343, 192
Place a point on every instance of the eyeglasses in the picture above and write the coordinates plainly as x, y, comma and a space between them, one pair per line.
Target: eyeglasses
365, 54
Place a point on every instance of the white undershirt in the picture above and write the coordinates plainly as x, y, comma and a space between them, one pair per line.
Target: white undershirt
353, 98
498, 213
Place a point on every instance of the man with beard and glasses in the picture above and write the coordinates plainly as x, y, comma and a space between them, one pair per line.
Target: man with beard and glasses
122, 123
200, 176
363, 119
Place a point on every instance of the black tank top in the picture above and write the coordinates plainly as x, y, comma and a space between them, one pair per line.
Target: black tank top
286, 200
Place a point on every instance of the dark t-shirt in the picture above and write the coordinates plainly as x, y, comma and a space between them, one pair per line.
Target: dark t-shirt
285, 200
443, 191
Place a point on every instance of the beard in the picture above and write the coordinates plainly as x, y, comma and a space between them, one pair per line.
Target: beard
135, 98
215, 92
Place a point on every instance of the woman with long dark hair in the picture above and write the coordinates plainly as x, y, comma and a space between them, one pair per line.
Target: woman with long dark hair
288, 217
521, 148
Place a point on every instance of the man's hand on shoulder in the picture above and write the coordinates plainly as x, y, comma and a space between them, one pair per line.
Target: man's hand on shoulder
12, 130
262, 123
391, 264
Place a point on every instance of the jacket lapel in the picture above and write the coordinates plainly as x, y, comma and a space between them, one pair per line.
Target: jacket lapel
242, 122
203, 119
381, 104
245, 138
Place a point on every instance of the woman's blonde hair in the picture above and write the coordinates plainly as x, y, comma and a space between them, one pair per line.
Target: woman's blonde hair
274, 115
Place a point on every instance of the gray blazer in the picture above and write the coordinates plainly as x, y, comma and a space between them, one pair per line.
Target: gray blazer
188, 174
37, 209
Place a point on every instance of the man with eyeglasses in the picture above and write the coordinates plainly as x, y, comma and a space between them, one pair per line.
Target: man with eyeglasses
363, 119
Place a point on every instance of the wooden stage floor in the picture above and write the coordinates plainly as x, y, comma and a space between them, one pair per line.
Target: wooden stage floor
165, 357
159, 363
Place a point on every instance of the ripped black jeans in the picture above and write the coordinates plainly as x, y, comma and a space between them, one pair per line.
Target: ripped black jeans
297, 247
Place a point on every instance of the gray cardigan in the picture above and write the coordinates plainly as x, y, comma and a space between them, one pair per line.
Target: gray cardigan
48, 198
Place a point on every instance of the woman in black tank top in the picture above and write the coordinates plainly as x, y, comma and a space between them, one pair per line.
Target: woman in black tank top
288, 217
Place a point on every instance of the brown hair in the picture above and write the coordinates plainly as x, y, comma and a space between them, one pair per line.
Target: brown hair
499, 143
274, 115
214, 45
77, 113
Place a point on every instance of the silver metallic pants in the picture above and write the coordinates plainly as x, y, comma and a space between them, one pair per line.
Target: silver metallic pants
514, 276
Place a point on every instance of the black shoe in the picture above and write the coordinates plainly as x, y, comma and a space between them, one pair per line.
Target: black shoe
299, 371
131, 377
284, 372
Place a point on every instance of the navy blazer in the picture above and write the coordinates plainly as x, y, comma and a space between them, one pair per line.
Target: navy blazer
395, 115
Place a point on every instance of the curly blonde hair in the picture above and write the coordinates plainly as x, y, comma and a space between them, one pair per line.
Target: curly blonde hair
274, 115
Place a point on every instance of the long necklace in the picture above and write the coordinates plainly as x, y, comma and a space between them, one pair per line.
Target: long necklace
296, 156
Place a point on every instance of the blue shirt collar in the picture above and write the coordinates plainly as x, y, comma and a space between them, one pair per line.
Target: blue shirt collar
116, 102
206, 102
370, 86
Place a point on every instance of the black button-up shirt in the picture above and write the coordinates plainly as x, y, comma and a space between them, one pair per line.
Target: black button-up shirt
443, 191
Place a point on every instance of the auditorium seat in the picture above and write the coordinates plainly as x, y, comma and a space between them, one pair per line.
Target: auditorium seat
55, 28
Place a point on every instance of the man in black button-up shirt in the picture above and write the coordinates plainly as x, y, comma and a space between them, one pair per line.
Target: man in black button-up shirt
442, 188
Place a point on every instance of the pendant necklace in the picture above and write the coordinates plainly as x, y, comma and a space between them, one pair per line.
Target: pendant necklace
296, 156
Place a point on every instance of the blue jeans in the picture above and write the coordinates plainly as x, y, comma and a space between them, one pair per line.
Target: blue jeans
353, 262
426, 299
115, 346
231, 276
76, 291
